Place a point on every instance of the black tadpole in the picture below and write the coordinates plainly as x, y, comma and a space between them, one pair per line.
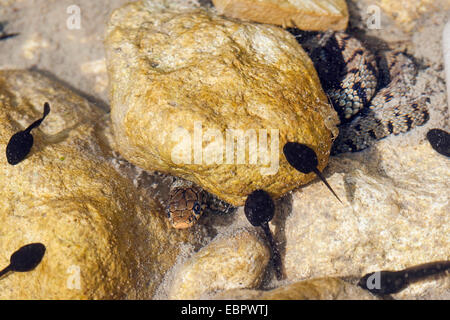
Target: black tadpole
25, 259
5, 36
388, 282
440, 141
259, 210
304, 159
20, 143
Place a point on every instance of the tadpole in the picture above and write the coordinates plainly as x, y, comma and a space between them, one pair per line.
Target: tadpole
20, 143
440, 141
388, 282
259, 210
5, 36
304, 159
25, 259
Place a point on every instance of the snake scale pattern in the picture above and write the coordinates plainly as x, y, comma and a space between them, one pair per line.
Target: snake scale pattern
369, 108
371, 105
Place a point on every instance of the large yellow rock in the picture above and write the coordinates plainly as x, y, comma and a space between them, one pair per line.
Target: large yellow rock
102, 240
181, 82
318, 15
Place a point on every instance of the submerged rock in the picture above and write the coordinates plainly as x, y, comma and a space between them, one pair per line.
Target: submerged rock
102, 241
228, 262
395, 215
406, 13
315, 289
317, 15
186, 84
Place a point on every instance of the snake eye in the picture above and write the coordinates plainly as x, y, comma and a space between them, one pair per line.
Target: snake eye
197, 208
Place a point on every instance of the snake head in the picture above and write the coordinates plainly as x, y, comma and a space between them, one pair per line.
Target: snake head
185, 206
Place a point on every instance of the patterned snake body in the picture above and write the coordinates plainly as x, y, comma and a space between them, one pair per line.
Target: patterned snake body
347, 71
368, 109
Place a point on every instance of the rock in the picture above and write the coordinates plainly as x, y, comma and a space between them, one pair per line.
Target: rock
39, 44
446, 52
182, 82
406, 13
316, 15
395, 215
228, 262
315, 289
102, 240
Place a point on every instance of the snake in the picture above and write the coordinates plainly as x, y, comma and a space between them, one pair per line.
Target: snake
187, 202
371, 105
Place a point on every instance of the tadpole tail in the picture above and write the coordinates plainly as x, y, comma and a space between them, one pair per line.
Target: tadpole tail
426, 270
391, 282
37, 123
319, 174
276, 258
5, 271
7, 36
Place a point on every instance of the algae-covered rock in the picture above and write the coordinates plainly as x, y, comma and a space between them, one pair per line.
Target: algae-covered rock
189, 89
102, 241
228, 262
